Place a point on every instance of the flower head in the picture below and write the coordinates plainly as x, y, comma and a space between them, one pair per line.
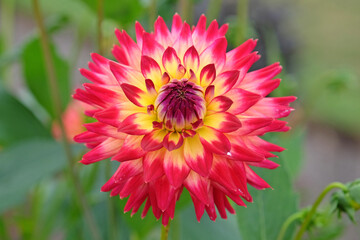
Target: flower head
178, 111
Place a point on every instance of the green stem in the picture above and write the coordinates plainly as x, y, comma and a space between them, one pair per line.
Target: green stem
152, 13
186, 9
56, 100
110, 204
214, 8
7, 32
100, 17
315, 206
165, 231
242, 20
111, 208
287, 223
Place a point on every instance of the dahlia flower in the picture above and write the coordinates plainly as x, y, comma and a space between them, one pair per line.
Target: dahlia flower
178, 111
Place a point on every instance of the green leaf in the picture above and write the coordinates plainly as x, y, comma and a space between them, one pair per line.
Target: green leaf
24, 165
263, 219
14, 115
185, 226
34, 70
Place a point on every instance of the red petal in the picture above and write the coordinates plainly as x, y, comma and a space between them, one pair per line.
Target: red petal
175, 167
191, 59
106, 149
151, 69
137, 124
225, 81
220, 104
214, 140
130, 47
153, 165
153, 140
152, 48
254, 179
243, 100
173, 140
128, 169
130, 150
196, 157
222, 121
134, 94
207, 75
161, 32
215, 53
198, 186
171, 62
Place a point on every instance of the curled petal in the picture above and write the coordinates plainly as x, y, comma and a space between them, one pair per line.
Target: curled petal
191, 59
172, 63
207, 75
173, 140
220, 104
151, 70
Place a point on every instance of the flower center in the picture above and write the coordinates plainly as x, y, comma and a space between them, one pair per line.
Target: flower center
179, 104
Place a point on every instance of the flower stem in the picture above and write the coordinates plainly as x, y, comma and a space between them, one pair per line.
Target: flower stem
165, 231
100, 17
214, 8
186, 8
287, 223
56, 100
111, 207
315, 205
7, 32
242, 20
152, 12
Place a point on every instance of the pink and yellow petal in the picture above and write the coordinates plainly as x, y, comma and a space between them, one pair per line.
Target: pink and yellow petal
137, 124
222, 121
175, 167
196, 157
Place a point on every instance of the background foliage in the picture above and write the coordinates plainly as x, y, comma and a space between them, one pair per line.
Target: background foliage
316, 42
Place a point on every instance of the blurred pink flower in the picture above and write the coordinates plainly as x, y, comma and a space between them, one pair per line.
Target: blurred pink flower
73, 119
178, 111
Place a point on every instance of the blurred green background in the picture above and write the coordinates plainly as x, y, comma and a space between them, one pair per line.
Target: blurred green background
317, 42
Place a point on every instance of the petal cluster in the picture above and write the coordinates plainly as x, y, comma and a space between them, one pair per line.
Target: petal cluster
178, 111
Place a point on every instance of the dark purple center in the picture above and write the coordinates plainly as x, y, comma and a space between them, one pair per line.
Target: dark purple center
179, 104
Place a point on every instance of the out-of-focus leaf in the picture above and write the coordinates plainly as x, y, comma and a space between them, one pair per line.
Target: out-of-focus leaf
34, 70
24, 165
17, 123
190, 229
331, 97
123, 12
263, 219
293, 142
